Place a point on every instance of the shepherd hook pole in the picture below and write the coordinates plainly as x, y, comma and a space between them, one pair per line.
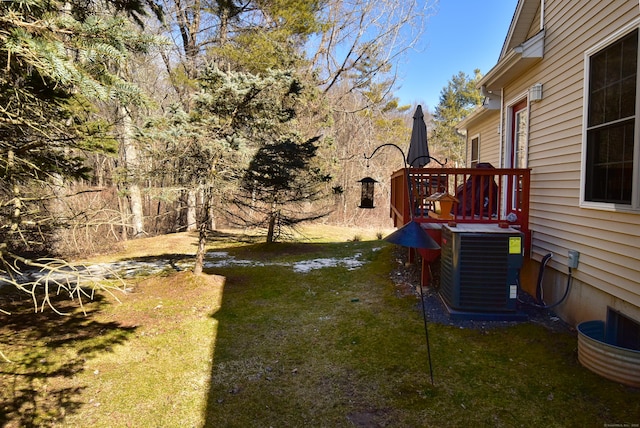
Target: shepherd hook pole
424, 310
426, 332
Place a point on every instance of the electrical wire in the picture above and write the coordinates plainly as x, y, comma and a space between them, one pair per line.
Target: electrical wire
540, 304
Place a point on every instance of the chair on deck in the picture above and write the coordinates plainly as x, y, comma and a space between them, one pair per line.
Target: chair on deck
478, 196
423, 188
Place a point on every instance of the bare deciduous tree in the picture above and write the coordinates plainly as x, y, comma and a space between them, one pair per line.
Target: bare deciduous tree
363, 42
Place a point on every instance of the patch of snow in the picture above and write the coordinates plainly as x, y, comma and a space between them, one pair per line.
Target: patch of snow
214, 259
231, 261
217, 254
307, 266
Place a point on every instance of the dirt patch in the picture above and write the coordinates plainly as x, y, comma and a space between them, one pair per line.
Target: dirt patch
368, 418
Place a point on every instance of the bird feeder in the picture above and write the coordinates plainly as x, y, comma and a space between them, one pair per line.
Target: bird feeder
366, 197
445, 202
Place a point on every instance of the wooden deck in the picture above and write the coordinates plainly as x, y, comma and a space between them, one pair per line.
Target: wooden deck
482, 195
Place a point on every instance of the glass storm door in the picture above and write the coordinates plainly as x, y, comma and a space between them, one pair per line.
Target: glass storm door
517, 152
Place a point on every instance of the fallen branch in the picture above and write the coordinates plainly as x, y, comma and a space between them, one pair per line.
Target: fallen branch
52, 276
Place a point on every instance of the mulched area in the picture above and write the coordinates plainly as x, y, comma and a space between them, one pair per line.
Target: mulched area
406, 278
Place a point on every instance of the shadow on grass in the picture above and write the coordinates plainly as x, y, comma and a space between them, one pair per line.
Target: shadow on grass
287, 341
47, 352
220, 236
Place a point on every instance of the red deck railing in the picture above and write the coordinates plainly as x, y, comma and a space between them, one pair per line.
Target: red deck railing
484, 195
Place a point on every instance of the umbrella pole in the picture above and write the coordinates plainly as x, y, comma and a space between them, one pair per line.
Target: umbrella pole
426, 332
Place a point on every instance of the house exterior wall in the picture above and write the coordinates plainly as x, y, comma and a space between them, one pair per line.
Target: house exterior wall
489, 140
609, 269
608, 240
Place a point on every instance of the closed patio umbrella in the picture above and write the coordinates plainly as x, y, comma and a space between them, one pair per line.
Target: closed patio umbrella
418, 155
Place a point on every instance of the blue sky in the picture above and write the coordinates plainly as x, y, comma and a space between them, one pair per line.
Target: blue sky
461, 36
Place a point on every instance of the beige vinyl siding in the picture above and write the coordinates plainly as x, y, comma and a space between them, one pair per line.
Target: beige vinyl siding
608, 241
489, 139
486, 129
535, 25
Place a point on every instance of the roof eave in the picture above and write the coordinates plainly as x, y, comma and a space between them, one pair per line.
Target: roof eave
514, 63
472, 117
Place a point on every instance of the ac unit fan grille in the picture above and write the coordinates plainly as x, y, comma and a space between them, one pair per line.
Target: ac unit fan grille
483, 265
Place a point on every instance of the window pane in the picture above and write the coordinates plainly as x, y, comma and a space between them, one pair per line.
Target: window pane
630, 56
612, 103
598, 68
627, 186
614, 64
628, 97
596, 107
520, 139
615, 145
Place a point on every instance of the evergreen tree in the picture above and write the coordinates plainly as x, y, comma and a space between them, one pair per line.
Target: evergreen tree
274, 39
279, 183
55, 57
256, 115
247, 36
457, 100
235, 117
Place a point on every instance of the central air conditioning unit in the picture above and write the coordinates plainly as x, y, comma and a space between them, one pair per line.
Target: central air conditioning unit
480, 267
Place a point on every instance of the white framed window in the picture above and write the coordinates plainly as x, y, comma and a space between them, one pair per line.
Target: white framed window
516, 147
475, 151
611, 151
518, 139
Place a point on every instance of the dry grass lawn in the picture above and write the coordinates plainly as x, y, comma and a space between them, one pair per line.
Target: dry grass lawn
262, 343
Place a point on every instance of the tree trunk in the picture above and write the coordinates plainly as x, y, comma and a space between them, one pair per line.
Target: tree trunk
17, 200
272, 227
57, 207
129, 153
137, 215
202, 242
203, 228
212, 219
123, 216
191, 210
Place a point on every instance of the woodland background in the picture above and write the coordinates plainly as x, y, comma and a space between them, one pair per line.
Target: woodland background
129, 118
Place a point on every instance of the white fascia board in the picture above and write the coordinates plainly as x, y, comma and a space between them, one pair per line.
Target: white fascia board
512, 64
